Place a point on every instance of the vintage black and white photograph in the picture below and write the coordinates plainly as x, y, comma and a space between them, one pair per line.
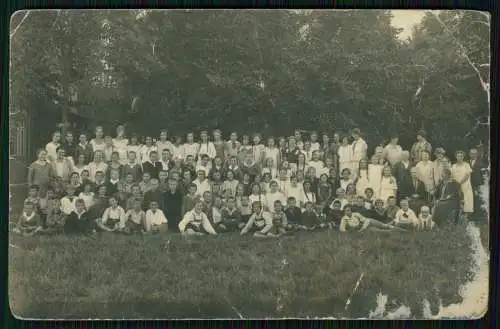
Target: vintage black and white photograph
249, 164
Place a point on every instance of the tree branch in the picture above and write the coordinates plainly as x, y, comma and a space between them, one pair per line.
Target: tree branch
484, 84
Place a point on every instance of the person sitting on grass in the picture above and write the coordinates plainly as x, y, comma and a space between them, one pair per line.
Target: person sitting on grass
195, 222
353, 221
155, 220
334, 213
405, 217
293, 213
309, 218
391, 208
45, 204
55, 220
280, 222
68, 201
79, 221
231, 217
260, 222
425, 218
29, 222
135, 193
135, 218
113, 218
378, 212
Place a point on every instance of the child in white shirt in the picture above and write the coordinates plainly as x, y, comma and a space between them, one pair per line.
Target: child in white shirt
195, 222
155, 219
87, 195
405, 217
113, 218
68, 202
425, 218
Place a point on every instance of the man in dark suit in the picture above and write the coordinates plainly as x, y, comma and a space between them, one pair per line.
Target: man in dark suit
153, 166
401, 172
418, 194
476, 165
173, 204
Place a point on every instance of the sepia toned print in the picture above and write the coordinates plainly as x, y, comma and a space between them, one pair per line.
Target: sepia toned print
208, 164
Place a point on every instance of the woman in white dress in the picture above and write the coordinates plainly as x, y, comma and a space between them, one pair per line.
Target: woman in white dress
461, 171
345, 154
190, 147
206, 147
359, 149
120, 143
98, 143
271, 151
147, 148
425, 171
362, 178
388, 186
375, 169
135, 147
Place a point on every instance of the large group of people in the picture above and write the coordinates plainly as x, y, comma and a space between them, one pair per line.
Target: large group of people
265, 187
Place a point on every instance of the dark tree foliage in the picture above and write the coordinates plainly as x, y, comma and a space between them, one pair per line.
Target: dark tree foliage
268, 71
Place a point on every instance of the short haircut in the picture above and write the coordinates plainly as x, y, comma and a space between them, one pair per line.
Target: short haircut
277, 202
34, 187
99, 172
292, 198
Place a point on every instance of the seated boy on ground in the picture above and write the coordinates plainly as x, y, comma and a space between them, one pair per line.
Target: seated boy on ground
55, 220
113, 218
425, 218
260, 222
293, 213
196, 222
156, 221
79, 220
405, 217
310, 220
280, 222
135, 218
231, 217
29, 222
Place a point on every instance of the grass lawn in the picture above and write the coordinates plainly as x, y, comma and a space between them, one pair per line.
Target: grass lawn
169, 276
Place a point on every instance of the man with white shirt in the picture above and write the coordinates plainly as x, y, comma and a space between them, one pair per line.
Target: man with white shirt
97, 165
359, 149
53, 145
315, 146
166, 160
61, 164
163, 143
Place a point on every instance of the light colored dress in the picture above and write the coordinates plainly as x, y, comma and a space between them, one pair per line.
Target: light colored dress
375, 178
458, 172
345, 157
425, 172
388, 187
272, 153
359, 149
363, 182
120, 146
97, 146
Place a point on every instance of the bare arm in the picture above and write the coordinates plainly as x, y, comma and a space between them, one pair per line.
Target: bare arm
343, 224
185, 220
